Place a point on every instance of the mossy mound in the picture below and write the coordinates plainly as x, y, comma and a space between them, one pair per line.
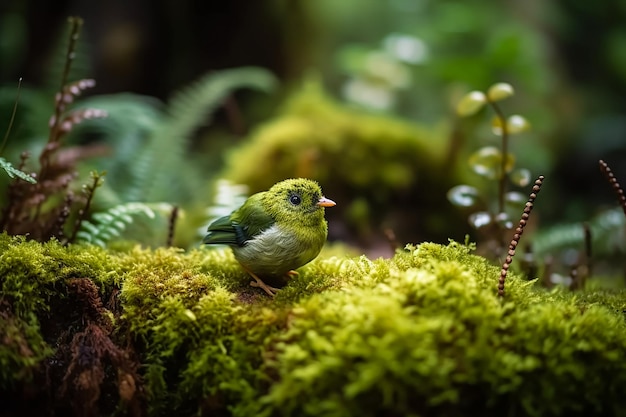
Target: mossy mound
316, 137
163, 332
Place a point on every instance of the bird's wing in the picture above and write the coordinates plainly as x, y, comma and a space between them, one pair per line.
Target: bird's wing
241, 225
224, 231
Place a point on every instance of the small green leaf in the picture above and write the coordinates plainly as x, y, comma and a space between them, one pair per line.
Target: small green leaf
504, 220
500, 91
496, 126
480, 219
463, 195
515, 200
14, 172
514, 124
520, 177
471, 103
487, 162
517, 124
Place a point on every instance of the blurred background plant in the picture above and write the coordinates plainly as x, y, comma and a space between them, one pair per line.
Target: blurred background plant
41, 202
140, 142
365, 103
493, 206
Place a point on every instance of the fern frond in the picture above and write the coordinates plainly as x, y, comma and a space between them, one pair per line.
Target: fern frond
81, 52
14, 172
131, 123
187, 111
150, 144
607, 231
112, 223
192, 106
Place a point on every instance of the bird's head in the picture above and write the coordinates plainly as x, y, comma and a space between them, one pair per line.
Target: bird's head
297, 200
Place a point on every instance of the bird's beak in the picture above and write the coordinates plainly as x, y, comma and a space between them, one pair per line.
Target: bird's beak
325, 202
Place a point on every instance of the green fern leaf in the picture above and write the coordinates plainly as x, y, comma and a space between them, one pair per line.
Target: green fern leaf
150, 141
14, 172
607, 233
128, 131
193, 106
189, 109
111, 224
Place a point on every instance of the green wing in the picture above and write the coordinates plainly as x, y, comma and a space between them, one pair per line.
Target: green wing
222, 231
241, 225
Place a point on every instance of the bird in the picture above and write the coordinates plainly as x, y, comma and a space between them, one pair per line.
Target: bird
275, 231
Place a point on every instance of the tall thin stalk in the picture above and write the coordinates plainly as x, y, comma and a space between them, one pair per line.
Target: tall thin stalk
505, 150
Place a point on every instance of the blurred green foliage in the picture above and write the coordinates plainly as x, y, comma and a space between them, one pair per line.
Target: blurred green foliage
407, 61
145, 149
149, 143
495, 207
437, 46
382, 171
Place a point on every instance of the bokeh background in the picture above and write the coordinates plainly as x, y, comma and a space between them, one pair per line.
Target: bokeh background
356, 82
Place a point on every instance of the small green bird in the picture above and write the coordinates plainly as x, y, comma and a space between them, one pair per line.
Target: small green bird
275, 231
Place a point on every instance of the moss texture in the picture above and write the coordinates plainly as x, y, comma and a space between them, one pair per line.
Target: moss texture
155, 332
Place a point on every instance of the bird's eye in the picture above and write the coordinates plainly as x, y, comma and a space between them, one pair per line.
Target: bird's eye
295, 200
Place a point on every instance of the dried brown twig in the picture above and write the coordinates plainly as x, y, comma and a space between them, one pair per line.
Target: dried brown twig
518, 234
172, 226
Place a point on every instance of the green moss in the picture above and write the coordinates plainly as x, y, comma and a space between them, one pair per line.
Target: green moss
422, 333
318, 133
33, 277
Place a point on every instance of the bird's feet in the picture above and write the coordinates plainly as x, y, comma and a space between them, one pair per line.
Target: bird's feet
271, 291
258, 283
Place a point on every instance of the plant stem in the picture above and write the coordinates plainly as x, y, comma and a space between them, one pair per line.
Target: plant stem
17, 99
97, 178
505, 150
172, 227
76, 24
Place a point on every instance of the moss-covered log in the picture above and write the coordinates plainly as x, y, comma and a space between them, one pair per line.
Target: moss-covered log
86, 331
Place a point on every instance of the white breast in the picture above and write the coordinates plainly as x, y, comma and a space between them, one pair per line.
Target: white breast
276, 251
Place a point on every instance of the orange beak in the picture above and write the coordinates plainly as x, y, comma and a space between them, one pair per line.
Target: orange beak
325, 202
